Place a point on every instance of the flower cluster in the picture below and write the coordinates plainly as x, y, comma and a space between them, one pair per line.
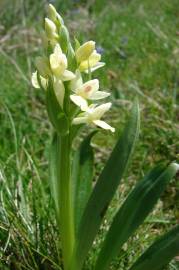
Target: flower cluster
54, 66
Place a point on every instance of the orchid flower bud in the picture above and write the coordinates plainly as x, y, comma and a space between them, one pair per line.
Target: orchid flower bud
84, 51
54, 15
47, 43
50, 29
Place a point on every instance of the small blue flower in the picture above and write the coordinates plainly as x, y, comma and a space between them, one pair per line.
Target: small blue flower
100, 50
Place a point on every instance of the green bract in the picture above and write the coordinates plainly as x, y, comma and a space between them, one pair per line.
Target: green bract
80, 207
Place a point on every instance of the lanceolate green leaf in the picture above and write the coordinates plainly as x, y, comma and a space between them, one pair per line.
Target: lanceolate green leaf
56, 115
105, 188
82, 176
133, 212
160, 253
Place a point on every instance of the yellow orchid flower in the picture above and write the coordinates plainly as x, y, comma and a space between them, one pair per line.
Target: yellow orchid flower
84, 51
88, 90
92, 63
93, 115
58, 64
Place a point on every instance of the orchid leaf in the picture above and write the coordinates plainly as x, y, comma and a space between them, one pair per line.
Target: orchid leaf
105, 188
83, 172
160, 253
133, 212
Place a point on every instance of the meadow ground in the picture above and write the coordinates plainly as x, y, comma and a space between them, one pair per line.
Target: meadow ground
139, 41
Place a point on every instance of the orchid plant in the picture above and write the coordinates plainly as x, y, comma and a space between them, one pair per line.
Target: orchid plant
65, 73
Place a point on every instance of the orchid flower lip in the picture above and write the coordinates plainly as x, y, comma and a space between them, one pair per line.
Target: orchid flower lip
80, 102
93, 114
104, 125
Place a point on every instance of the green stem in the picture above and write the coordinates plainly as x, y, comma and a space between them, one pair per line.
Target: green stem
65, 195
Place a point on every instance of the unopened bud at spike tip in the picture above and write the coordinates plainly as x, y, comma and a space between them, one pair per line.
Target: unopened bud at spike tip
52, 13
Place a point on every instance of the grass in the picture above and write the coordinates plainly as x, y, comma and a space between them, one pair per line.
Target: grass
139, 42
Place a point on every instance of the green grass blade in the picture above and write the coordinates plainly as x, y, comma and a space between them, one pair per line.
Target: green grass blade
133, 212
160, 253
105, 187
83, 172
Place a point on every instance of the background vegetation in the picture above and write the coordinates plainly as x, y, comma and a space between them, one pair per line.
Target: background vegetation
139, 41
